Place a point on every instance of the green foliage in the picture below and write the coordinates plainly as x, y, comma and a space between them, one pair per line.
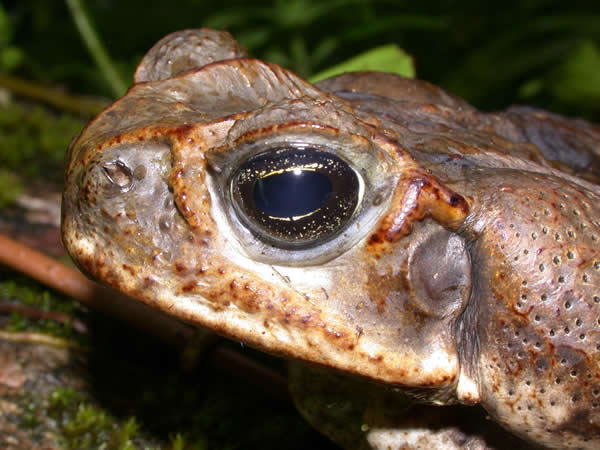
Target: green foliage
491, 54
96, 48
574, 82
387, 58
298, 34
10, 56
517, 57
576, 79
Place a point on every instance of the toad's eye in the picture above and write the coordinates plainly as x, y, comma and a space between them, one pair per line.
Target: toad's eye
295, 198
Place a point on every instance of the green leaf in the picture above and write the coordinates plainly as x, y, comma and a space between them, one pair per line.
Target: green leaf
10, 58
531, 88
577, 80
6, 28
387, 58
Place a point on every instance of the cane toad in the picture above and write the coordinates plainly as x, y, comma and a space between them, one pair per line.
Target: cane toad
369, 224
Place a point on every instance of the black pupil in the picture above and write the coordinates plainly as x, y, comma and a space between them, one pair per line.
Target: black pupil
292, 193
291, 197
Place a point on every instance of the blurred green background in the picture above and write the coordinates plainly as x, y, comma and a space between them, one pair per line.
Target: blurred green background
494, 53
540, 52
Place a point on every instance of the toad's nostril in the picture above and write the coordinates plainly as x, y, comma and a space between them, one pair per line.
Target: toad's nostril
119, 175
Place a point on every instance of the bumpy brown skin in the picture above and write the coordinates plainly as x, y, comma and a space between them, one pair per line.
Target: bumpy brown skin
472, 275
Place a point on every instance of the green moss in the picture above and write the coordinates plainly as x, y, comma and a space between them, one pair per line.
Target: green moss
22, 290
29, 417
63, 397
27, 291
10, 188
33, 141
83, 425
179, 441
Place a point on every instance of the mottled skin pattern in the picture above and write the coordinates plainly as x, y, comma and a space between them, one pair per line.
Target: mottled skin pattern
469, 274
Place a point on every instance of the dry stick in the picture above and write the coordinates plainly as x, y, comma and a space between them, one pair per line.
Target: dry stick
38, 338
74, 284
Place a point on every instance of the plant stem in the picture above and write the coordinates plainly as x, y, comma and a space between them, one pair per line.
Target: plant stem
53, 97
38, 338
95, 47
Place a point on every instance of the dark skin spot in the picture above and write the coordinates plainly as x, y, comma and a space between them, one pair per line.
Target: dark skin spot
181, 133
306, 319
456, 199
129, 269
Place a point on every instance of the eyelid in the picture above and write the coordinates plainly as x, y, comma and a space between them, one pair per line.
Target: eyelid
373, 166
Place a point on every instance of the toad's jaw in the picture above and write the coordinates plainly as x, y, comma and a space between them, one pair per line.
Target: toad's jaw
278, 316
